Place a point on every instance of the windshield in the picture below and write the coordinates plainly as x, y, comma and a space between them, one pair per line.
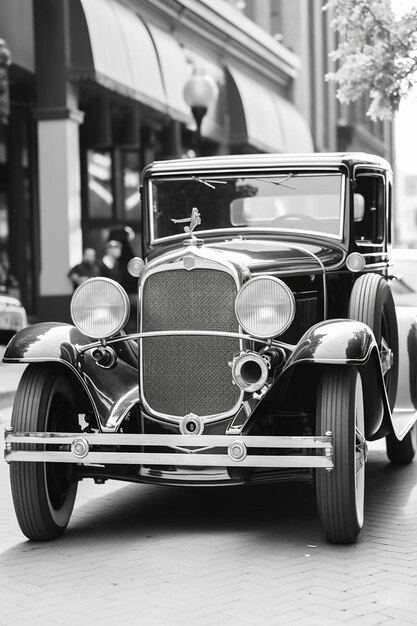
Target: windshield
284, 201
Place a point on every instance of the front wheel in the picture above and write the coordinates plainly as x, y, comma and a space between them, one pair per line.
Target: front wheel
341, 491
43, 493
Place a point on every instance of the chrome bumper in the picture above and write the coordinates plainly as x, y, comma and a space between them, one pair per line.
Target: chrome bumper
182, 450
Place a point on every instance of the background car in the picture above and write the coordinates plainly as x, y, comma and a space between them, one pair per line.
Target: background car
12, 317
404, 287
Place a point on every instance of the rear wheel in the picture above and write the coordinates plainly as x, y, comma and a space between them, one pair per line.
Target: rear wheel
43, 493
402, 452
371, 302
341, 491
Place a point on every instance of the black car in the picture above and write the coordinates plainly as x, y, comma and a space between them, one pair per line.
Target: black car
267, 348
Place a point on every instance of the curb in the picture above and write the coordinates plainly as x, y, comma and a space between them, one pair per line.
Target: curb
10, 374
6, 398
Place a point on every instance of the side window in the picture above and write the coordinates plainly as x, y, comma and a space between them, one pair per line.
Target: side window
369, 208
389, 217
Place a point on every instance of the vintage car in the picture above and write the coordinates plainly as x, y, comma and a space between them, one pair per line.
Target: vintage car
12, 316
268, 346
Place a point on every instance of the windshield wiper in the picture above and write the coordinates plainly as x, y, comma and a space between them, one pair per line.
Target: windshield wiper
209, 183
276, 181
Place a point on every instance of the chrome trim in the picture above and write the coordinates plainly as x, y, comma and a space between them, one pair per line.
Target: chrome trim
80, 448
187, 476
237, 451
194, 454
186, 333
381, 253
189, 259
120, 409
241, 418
259, 162
251, 231
205, 254
189, 420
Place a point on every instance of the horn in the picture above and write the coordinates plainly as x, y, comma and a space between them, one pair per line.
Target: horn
250, 371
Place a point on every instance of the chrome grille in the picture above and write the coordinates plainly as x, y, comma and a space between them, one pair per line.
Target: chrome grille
182, 375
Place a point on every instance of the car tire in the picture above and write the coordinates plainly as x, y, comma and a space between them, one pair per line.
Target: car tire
402, 452
371, 302
43, 493
341, 491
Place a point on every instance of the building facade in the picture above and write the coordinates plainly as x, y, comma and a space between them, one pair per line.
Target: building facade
97, 93
304, 28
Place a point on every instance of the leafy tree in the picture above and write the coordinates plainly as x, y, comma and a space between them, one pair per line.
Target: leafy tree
376, 53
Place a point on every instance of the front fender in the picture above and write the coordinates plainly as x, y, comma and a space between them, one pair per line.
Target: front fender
46, 341
338, 341
343, 342
111, 392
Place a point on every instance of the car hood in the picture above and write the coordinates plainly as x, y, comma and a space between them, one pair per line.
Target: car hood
269, 256
266, 255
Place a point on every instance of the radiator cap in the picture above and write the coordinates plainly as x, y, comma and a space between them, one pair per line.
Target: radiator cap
191, 425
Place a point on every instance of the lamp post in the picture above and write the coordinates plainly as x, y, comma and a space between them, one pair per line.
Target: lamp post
200, 91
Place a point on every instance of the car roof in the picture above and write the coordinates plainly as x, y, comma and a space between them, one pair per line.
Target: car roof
254, 161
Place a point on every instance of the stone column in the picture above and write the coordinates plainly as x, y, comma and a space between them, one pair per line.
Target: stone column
60, 208
59, 186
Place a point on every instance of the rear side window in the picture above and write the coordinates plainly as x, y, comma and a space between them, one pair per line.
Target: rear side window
369, 208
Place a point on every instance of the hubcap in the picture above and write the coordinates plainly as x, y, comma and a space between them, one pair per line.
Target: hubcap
386, 356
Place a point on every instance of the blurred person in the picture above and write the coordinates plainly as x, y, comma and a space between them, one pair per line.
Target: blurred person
88, 268
111, 266
125, 236
4, 275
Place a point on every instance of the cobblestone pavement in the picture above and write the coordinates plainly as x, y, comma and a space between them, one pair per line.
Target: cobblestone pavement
139, 554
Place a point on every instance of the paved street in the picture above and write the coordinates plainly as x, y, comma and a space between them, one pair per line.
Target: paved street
138, 554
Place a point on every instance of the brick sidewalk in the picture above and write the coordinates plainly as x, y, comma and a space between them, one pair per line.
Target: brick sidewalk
140, 554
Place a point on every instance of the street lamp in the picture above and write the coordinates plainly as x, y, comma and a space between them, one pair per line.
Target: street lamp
200, 91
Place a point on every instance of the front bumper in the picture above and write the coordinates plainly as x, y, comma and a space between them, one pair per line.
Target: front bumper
178, 450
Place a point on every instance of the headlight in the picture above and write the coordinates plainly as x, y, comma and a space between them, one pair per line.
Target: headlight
100, 307
265, 307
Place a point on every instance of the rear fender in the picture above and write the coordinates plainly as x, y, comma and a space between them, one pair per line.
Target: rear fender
111, 392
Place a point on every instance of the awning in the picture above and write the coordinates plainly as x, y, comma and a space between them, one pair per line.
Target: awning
174, 70
263, 119
129, 57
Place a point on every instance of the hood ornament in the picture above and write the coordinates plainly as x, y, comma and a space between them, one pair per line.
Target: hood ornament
194, 221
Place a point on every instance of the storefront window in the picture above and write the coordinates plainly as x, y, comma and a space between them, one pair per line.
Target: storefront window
100, 193
131, 182
4, 234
